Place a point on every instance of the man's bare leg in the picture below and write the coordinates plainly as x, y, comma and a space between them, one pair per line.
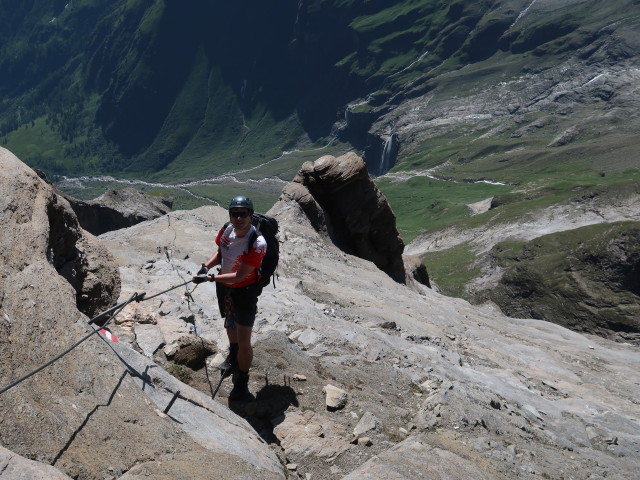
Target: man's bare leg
242, 336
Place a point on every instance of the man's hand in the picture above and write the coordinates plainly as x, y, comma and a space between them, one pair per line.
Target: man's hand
203, 270
203, 278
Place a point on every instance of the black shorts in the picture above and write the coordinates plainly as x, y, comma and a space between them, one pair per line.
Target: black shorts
241, 304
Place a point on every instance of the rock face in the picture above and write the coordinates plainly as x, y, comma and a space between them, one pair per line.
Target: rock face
15, 467
88, 414
340, 200
40, 230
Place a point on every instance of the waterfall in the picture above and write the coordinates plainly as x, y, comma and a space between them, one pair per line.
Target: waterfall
388, 154
523, 13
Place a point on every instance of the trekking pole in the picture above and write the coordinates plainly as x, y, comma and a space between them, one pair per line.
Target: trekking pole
142, 298
222, 377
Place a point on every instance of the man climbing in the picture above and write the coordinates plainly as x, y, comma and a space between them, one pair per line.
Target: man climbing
239, 254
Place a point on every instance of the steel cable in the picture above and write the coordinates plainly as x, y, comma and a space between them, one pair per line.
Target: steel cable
115, 310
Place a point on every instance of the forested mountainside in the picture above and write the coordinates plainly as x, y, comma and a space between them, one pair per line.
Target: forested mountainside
184, 89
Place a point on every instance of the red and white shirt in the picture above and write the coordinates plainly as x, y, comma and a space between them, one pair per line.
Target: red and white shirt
234, 251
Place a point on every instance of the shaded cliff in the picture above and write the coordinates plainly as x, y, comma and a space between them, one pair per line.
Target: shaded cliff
342, 201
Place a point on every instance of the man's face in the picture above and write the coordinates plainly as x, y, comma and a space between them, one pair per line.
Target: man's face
240, 218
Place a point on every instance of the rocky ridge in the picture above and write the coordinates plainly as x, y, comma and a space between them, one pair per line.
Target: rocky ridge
586, 279
118, 209
356, 376
343, 203
460, 390
578, 212
114, 209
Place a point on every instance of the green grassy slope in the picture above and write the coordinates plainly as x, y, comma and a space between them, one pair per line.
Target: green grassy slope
452, 269
171, 92
587, 279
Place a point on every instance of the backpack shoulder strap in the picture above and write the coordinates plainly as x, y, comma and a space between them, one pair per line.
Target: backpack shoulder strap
252, 238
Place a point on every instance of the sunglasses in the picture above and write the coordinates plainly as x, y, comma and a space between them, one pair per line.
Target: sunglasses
242, 214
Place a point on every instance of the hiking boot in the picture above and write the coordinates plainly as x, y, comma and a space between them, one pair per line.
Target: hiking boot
240, 391
229, 365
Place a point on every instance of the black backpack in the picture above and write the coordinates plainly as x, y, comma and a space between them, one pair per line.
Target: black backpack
268, 228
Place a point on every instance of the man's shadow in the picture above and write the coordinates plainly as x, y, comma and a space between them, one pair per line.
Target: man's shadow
270, 403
